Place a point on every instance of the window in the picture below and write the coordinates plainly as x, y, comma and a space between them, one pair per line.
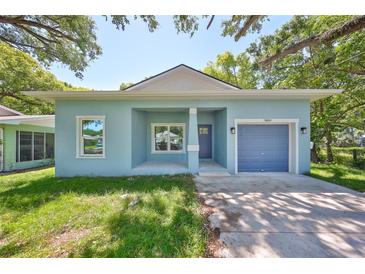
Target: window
25, 146
91, 141
34, 146
49, 145
38, 148
168, 138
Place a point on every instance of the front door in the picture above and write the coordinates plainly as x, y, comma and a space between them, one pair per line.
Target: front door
205, 141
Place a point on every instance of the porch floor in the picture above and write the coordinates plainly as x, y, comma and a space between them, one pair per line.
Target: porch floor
210, 165
161, 167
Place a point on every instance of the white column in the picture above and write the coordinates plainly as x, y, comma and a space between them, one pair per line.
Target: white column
193, 141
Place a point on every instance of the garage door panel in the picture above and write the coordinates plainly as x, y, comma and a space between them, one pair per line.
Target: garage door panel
263, 147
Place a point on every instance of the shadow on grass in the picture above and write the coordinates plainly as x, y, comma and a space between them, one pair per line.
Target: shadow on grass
148, 236
337, 175
48, 188
158, 226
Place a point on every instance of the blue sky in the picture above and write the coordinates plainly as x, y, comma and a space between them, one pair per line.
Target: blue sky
132, 55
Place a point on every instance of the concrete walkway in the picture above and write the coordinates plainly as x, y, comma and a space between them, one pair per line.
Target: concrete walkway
283, 215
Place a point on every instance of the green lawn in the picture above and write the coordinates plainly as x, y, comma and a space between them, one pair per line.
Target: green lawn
339, 174
44, 216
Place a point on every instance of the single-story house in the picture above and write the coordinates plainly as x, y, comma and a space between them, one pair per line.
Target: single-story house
182, 121
26, 141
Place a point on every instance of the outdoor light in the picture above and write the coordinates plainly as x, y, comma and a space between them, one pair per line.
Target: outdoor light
233, 130
303, 130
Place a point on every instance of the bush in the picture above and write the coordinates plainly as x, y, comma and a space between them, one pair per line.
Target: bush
345, 156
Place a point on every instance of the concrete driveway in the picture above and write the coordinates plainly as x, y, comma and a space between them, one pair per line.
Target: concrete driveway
283, 215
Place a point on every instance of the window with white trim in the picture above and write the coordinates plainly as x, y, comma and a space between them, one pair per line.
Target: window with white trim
168, 138
91, 140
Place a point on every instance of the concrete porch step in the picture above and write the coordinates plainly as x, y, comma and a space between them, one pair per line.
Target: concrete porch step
214, 173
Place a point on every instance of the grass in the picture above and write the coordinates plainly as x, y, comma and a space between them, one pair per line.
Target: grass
340, 174
343, 156
44, 216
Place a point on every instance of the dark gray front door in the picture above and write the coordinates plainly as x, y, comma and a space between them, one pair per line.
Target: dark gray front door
205, 141
263, 148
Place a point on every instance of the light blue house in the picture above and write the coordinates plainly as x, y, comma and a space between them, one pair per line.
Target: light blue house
182, 121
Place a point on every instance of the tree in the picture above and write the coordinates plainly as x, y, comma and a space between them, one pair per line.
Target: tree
70, 40
123, 86
237, 70
331, 65
238, 26
18, 72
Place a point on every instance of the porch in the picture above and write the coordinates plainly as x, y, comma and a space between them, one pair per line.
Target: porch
170, 140
170, 168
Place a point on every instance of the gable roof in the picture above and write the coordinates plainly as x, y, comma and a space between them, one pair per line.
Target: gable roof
5, 111
187, 75
184, 82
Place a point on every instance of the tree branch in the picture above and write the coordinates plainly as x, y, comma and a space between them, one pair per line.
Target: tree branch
210, 21
248, 23
41, 38
353, 71
349, 27
16, 21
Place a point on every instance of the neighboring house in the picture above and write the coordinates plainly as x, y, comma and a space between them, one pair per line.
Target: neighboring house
182, 121
26, 141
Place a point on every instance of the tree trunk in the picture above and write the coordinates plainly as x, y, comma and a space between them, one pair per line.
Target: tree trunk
329, 146
314, 154
354, 156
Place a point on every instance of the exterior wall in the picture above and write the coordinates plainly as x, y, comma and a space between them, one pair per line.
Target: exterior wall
119, 133
142, 130
139, 133
220, 137
10, 147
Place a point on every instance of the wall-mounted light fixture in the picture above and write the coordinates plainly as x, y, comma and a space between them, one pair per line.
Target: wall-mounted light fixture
303, 130
233, 130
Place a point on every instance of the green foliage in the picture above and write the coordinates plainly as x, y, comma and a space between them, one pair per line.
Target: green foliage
339, 174
231, 26
70, 40
335, 65
344, 156
123, 86
19, 72
44, 216
237, 70
121, 21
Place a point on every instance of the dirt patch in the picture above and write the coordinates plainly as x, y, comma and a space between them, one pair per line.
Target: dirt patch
60, 243
214, 245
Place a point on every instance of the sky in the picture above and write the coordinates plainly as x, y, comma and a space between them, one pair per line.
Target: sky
132, 55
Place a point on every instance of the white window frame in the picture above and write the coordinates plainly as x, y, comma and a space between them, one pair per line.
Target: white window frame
168, 151
79, 139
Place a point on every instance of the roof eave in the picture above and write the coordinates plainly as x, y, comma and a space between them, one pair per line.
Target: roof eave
311, 94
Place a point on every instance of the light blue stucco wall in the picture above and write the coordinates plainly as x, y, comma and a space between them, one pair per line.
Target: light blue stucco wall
139, 133
142, 121
119, 131
220, 137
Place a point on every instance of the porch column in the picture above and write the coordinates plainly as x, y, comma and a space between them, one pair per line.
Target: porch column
193, 142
